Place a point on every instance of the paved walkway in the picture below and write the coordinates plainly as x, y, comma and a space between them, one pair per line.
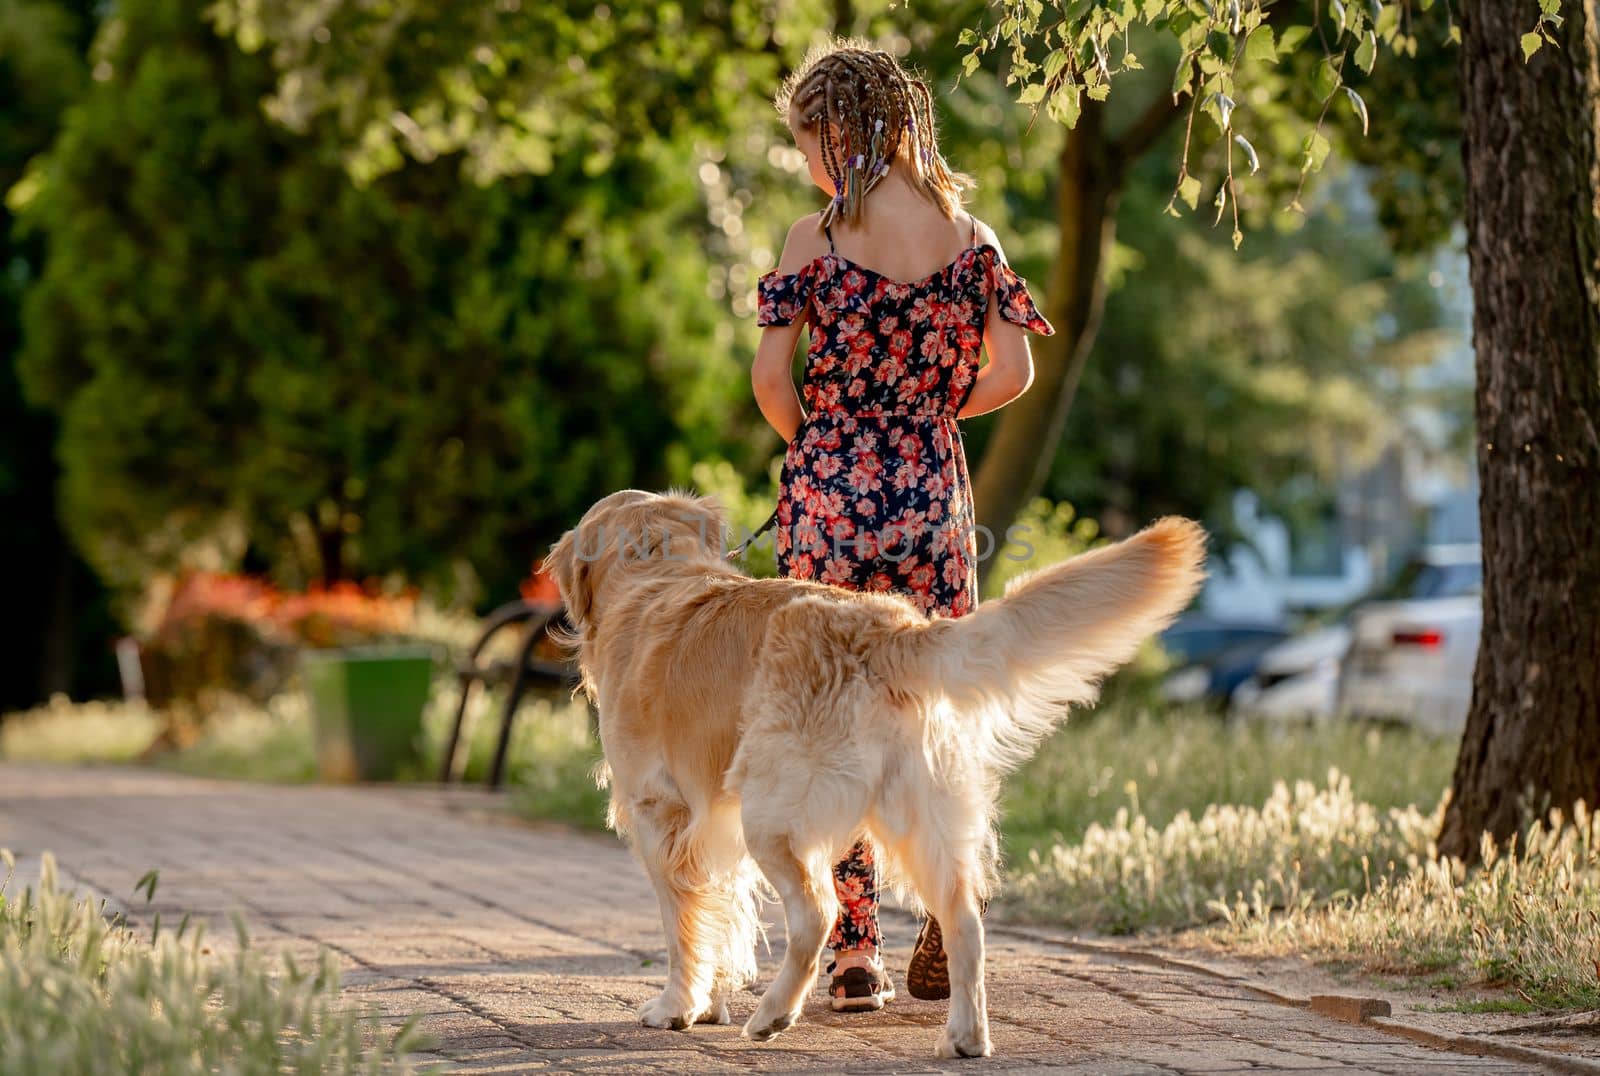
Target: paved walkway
528, 948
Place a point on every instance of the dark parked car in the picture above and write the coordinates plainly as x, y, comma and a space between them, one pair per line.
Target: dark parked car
1214, 656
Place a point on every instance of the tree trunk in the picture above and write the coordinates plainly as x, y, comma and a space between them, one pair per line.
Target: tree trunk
330, 550
1017, 458
60, 635
1533, 238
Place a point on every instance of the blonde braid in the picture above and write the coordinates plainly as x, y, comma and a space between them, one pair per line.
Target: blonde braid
876, 105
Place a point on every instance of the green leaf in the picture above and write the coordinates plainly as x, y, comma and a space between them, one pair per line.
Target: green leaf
1065, 105
1367, 52
1189, 191
1031, 95
1100, 91
1530, 45
1316, 152
1221, 107
1261, 46
1181, 77
1053, 63
1359, 105
1325, 78
969, 63
1291, 38
1250, 151
1455, 33
1388, 21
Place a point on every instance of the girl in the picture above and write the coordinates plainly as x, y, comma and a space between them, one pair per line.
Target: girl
900, 286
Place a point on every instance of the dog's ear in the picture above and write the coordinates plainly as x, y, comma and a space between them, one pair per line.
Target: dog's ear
572, 577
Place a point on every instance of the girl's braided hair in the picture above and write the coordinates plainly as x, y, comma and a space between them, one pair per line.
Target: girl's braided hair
883, 114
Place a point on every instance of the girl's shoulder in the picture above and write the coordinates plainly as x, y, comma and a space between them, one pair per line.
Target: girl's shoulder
984, 236
804, 244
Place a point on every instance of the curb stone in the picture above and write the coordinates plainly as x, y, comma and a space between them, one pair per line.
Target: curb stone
1370, 1012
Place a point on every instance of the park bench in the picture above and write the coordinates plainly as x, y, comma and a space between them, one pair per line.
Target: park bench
533, 665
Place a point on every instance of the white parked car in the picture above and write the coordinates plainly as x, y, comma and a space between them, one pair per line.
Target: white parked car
1412, 659
1295, 679
1405, 654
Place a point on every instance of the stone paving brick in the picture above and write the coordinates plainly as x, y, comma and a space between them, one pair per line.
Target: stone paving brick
525, 949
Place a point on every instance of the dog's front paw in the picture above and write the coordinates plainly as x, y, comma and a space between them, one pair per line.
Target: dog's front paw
968, 1042
667, 1012
766, 1024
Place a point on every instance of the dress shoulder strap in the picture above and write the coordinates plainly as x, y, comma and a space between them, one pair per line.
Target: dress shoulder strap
974, 241
828, 231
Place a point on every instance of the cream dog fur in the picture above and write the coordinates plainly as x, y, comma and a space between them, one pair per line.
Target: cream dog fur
775, 721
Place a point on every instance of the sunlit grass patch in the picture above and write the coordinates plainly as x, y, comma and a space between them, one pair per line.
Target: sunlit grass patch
1317, 870
65, 731
1527, 918
1160, 764
247, 741
84, 995
1302, 844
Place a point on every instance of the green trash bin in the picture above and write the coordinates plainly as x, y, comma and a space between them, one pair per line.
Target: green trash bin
367, 702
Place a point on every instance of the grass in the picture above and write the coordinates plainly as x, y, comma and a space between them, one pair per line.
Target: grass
64, 731
1160, 765
1510, 1006
1302, 844
1527, 919
549, 764
85, 995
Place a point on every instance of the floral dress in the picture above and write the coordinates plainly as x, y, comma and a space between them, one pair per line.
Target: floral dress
874, 493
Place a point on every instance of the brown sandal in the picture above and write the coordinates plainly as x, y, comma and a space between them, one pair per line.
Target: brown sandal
928, 976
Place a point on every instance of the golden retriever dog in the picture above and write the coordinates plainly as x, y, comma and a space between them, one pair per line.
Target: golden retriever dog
775, 721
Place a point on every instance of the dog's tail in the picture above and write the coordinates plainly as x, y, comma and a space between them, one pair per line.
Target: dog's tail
1012, 667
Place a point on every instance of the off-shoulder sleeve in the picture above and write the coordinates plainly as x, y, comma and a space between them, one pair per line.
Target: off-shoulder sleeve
782, 297
1011, 292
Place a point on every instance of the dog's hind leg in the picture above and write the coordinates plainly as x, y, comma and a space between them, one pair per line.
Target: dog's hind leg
664, 837
941, 835
806, 890
967, 1030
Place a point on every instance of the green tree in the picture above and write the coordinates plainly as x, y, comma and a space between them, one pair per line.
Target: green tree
1531, 169
1247, 102
1285, 368
1017, 164
60, 644
258, 361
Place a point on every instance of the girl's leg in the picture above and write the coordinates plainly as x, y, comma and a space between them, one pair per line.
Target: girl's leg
855, 880
859, 981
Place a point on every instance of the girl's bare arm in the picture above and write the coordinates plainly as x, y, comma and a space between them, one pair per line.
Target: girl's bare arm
1009, 371
770, 374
